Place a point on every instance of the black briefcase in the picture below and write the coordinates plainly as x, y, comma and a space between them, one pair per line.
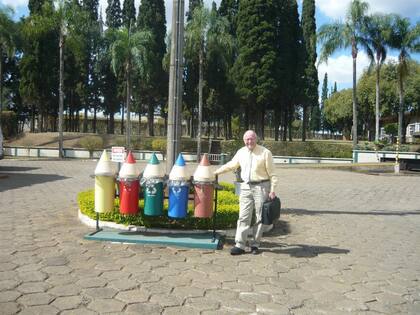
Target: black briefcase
271, 211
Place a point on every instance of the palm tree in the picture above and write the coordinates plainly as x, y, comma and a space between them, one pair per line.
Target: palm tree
407, 40
342, 35
376, 32
130, 52
7, 42
205, 31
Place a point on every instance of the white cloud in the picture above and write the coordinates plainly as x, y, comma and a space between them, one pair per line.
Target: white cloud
340, 69
336, 9
14, 3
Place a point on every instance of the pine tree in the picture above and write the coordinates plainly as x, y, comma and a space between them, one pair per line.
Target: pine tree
91, 6
311, 73
254, 69
228, 98
153, 92
290, 66
128, 13
229, 9
113, 14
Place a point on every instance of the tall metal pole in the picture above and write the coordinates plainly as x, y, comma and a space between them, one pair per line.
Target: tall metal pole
61, 94
175, 84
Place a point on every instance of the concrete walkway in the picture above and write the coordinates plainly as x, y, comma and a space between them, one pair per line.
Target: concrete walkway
347, 243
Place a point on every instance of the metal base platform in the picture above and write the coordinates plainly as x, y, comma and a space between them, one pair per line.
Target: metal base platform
190, 240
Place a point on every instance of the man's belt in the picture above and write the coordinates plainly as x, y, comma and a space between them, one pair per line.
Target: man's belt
258, 182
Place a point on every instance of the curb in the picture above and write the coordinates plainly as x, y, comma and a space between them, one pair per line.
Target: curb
134, 228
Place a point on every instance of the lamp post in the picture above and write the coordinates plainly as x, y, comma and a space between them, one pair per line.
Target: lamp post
175, 84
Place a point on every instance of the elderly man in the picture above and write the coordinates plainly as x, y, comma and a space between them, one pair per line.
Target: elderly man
259, 183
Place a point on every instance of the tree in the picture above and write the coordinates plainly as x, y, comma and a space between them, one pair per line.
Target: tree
290, 64
405, 39
151, 18
375, 32
128, 13
113, 14
7, 43
338, 111
130, 52
342, 35
206, 31
254, 69
311, 73
39, 66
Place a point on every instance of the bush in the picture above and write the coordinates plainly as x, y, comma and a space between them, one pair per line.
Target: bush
92, 143
9, 123
298, 148
227, 213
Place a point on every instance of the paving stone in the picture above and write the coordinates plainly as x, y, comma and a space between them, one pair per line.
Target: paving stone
202, 303
144, 308
92, 282
180, 310
32, 276
65, 290
236, 286
251, 297
34, 299
237, 306
40, 310
33, 287
133, 296
187, 291
9, 308
79, 311
106, 305
165, 300
220, 294
122, 285
272, 308
57, 270
107, 293
6, 285
55, 261
67, 302
9, 296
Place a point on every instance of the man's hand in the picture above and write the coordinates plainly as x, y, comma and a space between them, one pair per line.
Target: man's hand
272, 195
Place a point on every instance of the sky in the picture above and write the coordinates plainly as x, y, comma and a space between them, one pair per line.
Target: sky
339, 66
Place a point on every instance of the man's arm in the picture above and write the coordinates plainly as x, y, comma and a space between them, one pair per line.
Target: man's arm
229, 166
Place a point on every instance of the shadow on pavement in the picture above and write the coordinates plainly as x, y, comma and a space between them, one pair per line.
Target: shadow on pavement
375, 212
9, 181
301, 250
16, 169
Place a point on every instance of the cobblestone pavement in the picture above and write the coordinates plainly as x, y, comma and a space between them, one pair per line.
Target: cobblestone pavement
346, 243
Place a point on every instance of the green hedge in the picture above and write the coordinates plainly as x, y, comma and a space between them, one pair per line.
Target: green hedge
227, 213
298, 148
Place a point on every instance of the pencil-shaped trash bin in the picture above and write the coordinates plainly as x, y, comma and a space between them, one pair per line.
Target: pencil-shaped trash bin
129, 186
152, 185
104, 185
178, 187
203, 189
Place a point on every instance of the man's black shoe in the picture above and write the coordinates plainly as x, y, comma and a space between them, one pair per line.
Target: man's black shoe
255, 251
237, 251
